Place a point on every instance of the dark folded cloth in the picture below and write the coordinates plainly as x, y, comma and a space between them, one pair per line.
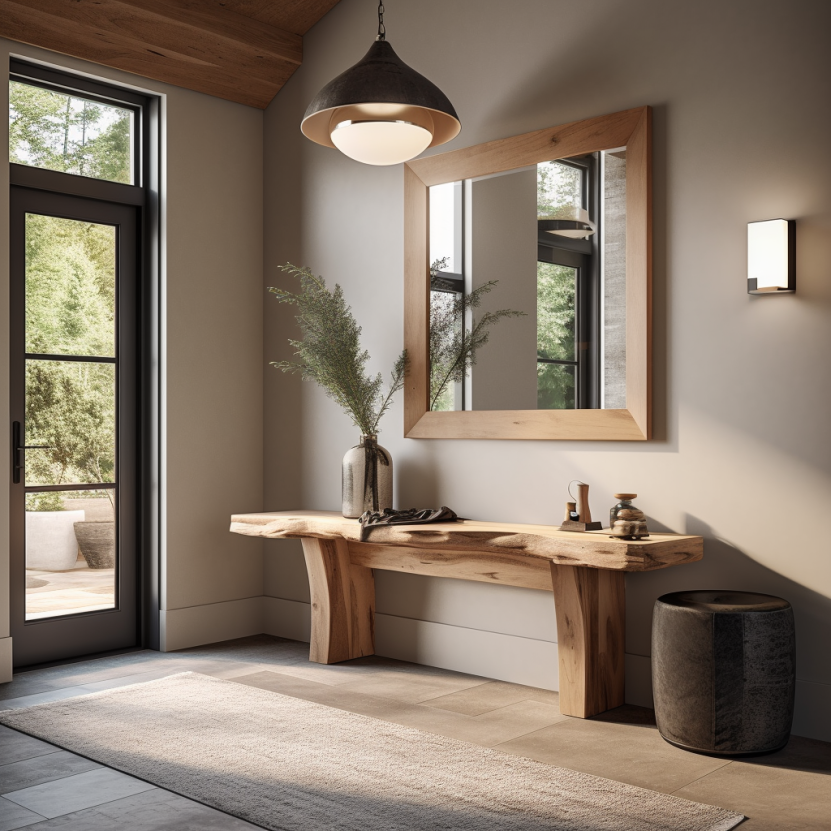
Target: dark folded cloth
412, 516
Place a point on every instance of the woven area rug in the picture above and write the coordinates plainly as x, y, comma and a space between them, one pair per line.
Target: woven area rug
293, 765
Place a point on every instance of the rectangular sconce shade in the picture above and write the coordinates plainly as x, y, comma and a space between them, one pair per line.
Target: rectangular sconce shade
771, 256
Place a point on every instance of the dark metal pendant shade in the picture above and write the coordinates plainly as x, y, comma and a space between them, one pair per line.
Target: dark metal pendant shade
379, 87
567, 227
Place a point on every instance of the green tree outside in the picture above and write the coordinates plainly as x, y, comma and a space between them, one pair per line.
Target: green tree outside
556, 287
70, 309
69, 134
558, 185
70, 292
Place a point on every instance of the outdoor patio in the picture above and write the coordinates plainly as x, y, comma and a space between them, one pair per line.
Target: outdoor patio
79, 589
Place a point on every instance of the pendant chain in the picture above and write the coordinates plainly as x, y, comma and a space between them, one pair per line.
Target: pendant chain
382, 31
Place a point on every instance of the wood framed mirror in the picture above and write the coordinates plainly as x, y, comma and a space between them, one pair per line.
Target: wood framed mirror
501, 198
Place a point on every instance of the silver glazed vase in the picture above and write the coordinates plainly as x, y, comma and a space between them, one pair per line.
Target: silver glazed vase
367, 478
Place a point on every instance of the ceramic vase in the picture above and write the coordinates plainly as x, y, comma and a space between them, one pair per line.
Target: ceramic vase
367, 478
50, 540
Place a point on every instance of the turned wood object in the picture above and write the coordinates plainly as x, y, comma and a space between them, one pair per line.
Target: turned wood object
583, 571
584, 511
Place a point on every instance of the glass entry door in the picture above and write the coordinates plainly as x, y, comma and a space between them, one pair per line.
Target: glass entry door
74, 376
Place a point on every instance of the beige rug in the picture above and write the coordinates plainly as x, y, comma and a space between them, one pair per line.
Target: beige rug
292, 765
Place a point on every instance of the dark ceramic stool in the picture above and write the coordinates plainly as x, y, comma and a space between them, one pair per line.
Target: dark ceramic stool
723, 671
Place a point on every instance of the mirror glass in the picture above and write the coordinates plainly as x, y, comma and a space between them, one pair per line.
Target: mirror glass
528, 287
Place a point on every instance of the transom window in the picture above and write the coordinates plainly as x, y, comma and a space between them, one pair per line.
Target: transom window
69, 133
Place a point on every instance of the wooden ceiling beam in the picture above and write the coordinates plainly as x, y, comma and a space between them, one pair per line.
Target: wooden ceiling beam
292, 15
215, 23
203, 47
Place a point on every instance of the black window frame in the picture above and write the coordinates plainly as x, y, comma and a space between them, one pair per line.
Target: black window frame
453, 282
584, 256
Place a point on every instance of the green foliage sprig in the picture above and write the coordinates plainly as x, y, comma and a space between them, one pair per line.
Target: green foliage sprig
454, 344
330, 352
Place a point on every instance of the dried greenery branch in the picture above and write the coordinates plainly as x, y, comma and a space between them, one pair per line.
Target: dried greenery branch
453, 344
330, 352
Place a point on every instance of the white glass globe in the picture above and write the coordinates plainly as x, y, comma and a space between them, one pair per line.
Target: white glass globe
380, 142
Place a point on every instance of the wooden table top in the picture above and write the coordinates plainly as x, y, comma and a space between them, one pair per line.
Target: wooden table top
595, 549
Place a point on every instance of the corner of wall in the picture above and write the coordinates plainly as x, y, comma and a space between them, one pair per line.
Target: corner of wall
5, 660
210, 623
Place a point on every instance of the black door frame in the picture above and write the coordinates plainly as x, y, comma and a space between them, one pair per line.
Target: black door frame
143, 199
57, 637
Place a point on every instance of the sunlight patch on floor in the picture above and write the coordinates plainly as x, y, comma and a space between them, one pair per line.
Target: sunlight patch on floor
55, 593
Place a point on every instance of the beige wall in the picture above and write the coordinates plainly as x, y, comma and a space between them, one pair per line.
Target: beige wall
214, 350
742, 393
502, 217
212, 360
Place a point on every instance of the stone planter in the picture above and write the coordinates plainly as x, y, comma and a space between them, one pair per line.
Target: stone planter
50, 540
97, 543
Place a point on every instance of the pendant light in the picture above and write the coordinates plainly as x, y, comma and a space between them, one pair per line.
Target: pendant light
380, 111
568, 221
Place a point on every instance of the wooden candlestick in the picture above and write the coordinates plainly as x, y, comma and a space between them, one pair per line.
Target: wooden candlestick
584, 514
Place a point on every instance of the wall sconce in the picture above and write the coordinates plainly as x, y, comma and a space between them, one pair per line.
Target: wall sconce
771, 256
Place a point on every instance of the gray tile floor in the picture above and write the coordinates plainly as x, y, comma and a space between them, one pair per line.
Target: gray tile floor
43, 787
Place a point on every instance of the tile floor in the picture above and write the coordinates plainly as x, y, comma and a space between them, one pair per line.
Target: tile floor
43, 787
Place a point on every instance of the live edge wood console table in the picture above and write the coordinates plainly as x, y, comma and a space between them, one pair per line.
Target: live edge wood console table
583, 570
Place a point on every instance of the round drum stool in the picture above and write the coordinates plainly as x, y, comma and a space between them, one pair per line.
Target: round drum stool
723, 671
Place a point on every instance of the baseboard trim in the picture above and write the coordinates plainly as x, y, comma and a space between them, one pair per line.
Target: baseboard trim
493, 655
6, 672
290, 619
489, 654
812, 711
639, 680
211, 623
473, 651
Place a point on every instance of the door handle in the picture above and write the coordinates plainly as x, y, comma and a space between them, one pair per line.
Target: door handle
17, 447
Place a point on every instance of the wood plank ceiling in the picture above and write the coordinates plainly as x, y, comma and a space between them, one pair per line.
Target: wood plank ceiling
240, 50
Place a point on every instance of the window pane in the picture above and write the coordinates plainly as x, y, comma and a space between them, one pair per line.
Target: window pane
446, 227
63, 132
555, 387
70, 553
445, 343
556, 306
558, 186
70, 287
70, 407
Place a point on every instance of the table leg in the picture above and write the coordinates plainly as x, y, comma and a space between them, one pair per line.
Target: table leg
343, 603
591, 624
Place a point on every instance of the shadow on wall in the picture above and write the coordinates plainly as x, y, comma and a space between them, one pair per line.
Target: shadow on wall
726, 567
418, 476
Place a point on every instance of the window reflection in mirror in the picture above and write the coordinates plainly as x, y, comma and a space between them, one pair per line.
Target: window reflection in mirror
447, 283
552, 237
